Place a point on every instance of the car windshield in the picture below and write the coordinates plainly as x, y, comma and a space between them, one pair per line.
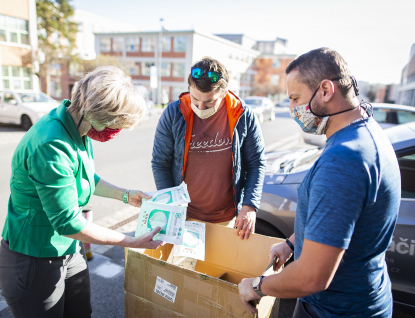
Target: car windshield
253, 102
34, 98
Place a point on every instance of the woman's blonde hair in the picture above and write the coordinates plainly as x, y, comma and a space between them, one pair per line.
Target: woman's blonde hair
107, 97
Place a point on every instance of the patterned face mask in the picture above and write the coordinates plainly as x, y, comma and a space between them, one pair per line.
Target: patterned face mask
309, 122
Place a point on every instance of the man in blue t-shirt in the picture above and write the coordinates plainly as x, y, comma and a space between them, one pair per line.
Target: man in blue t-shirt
347, 203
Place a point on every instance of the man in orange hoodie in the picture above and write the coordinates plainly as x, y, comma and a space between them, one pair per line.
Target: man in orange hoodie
211, 140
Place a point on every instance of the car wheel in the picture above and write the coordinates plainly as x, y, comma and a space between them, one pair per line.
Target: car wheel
264, 228
26, 122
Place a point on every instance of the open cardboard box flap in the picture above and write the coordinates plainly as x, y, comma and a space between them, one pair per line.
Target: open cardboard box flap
200, 292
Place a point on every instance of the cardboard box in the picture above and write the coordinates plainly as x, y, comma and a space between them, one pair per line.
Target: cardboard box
155, 288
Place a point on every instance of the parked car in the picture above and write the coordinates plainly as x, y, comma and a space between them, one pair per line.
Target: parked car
385, 114
286, 170
262, 106
283, 103
24, 107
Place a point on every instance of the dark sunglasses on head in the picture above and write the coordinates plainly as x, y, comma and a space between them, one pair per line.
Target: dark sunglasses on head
198, 73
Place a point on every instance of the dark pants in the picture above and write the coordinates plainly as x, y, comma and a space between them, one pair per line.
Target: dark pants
45, 287
303, 310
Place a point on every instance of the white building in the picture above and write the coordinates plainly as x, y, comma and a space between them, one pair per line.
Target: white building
138, 51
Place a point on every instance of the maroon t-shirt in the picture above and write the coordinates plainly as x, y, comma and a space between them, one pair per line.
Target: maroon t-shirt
209, 169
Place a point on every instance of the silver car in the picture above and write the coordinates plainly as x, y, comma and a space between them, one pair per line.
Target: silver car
24, 107
285, 172
385, 114
262, 106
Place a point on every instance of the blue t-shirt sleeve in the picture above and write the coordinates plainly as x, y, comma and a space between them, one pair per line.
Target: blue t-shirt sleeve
338, 192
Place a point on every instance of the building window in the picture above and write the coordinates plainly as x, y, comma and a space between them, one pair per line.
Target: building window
276, 63
145, 70
166, 43
165, 69
132, 43
178, 69
16, 77
105, 44
14, 30
133, 67
275, 79
147, 44
179, 44
117, 44
55, 87
176, 91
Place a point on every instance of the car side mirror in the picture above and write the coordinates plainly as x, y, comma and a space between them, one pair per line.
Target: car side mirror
13, 102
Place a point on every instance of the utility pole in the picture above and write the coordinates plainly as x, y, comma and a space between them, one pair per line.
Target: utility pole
160, 56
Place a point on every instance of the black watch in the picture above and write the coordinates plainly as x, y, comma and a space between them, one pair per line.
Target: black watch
256, 285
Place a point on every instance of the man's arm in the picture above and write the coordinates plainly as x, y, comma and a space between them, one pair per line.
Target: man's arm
163, 151
311, 273
253, 158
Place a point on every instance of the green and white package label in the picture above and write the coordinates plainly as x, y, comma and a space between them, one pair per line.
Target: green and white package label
176, 195
193, 244
170, 218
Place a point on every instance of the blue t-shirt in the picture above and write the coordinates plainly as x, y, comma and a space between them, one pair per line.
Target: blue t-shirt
350, 199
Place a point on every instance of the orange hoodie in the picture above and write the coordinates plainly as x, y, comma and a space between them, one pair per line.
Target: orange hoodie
233, 108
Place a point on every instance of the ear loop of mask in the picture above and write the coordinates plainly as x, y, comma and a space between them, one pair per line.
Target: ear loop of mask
356, 90
79, 122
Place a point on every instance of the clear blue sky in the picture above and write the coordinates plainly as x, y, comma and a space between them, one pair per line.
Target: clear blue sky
374, 36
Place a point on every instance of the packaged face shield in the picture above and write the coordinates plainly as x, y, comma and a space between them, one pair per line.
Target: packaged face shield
170, 218
193, 244
182, 261
176, 195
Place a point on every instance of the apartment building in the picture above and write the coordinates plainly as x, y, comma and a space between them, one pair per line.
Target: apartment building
18, 45
269, 67
406, 89
173, 53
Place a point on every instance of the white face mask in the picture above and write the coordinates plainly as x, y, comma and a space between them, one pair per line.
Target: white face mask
309, 122
206, 113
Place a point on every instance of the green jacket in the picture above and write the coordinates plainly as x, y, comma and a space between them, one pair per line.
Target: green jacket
52, 179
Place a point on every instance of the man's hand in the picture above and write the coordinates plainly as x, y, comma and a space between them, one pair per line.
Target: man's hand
245, 223
135, 197
283, 253
146, 240
247, 294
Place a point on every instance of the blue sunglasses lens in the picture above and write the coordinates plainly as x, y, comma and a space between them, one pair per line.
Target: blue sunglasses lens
197, 73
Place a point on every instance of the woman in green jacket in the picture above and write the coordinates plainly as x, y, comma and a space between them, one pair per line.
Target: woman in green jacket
43, 269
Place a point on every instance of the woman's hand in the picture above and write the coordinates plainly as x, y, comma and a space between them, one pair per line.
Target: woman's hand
146, 240
135, 198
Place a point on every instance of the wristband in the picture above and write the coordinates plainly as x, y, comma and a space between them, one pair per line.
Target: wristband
125, 196
290, 244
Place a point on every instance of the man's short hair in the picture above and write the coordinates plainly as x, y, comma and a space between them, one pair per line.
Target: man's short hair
204, 84
317, 65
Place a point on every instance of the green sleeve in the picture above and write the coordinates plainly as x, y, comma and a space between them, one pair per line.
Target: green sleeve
96, 178
52, 168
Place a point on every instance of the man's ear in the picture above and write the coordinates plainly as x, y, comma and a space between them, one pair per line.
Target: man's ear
328, 89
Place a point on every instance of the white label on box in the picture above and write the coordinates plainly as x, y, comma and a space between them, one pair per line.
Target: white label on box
165, 289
